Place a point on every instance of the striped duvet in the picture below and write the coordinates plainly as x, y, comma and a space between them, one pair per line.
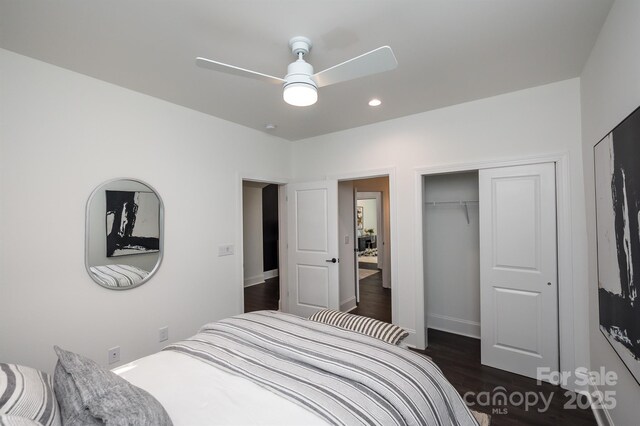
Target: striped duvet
343, 377
118, 275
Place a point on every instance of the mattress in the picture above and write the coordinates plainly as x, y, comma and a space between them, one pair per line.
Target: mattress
194, 393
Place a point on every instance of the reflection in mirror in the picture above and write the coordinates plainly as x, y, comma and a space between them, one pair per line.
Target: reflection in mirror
124, 229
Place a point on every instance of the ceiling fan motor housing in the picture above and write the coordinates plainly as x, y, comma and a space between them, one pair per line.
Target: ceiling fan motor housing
300, 72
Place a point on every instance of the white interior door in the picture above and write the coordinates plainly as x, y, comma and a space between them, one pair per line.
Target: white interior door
313, 246
518, 268
356, 243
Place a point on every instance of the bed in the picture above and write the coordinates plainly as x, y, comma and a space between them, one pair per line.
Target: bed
118, 276
259, 368
272, 368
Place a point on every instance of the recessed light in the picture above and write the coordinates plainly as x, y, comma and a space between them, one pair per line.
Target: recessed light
270, 126
375, 102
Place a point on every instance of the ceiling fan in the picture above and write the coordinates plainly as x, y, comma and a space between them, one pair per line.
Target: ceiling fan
300, 85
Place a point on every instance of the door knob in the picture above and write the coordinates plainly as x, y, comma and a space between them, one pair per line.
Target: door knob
332, 260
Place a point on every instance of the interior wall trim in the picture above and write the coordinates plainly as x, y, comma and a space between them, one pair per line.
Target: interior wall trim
449, 324
271, 274
603, 418
255, 280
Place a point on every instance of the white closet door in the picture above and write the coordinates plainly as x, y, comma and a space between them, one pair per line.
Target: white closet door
313, 247
518, 268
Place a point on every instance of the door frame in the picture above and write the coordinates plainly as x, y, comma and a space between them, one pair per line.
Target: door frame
282, 231
566, 296
389, 172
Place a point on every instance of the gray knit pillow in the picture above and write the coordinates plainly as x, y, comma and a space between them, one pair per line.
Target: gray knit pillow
28, 394
384, 331
92, 395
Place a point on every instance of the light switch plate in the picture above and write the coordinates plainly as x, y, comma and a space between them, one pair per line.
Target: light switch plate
225, 250
163, 334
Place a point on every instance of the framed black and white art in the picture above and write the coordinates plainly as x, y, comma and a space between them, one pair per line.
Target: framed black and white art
133, 222
617, 185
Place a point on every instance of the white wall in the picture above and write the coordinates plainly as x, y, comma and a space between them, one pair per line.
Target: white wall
252, 245
61, 135
452, 254
346, 245
610, 89
369, 215
526, 123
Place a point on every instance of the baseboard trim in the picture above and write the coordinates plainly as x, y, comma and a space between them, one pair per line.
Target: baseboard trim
271, 274
257, 279
348, 305
603, 418
454, 325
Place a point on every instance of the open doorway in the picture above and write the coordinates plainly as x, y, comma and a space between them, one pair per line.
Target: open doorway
364, 229
260, 246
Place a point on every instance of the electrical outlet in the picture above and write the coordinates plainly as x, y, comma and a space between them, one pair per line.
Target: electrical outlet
163, 334
226, 250
346, 239
114, 354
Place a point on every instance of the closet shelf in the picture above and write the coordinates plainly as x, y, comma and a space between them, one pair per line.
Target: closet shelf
461, 203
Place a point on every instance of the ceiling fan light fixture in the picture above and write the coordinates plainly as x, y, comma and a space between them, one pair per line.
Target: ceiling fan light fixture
300, 94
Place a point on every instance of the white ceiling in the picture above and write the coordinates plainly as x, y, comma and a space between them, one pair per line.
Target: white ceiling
449, 51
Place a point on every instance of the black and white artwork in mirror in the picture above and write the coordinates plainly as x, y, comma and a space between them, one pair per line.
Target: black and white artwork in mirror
617, 181
133, 222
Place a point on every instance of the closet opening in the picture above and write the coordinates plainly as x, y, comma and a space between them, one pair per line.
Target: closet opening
451, 253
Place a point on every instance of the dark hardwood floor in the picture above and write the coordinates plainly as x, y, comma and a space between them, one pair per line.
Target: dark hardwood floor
459, 359
375, 301
262, 296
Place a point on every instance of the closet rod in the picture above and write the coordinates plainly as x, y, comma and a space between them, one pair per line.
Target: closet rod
460, 203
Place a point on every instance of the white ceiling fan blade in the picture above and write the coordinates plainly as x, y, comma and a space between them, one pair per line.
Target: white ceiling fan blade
230, 69
378, 60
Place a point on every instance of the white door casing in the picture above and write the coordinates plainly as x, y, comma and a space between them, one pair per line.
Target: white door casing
518, 268
312, 244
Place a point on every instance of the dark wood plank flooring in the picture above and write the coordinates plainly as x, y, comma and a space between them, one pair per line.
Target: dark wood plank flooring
263, 296
375, 300
459, 359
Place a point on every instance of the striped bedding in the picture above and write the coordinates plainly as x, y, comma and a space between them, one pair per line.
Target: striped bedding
118, 275
343, 377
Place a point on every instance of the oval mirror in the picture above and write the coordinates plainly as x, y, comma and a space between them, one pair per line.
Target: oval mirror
124, 233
